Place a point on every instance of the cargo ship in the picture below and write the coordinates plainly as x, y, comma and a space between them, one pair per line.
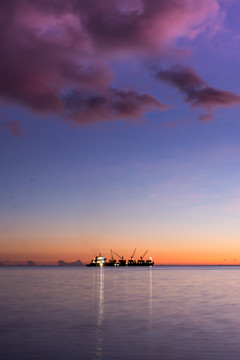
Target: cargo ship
100, 261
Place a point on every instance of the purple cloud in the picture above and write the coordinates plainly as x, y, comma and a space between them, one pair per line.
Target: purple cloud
210, 97
113, 104
197, 91
138, 24
53, 47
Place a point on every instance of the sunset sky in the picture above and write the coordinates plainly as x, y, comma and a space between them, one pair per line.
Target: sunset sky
120, 128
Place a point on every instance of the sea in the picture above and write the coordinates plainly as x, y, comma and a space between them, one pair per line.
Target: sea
161, 312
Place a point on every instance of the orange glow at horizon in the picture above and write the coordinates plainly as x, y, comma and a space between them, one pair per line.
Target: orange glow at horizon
168, 248
166, 257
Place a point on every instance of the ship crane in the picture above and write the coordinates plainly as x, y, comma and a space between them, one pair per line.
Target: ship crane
120, 257
133, 254
132, 262
141, 261
121, 262
141, 257
112, 261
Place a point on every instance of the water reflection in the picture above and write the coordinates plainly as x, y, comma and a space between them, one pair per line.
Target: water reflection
150, 341
150, 292
167, 313
100, 314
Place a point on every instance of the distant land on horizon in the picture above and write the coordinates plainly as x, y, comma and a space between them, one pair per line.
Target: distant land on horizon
32, 263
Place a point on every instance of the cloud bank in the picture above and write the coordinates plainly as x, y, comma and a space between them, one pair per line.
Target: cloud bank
57, 55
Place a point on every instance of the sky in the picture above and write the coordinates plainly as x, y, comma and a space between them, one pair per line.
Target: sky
119, 129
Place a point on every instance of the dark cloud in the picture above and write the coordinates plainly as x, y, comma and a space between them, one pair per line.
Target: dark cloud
210, 97
38, 64
49, 47
113, 104
197, 91
185, 79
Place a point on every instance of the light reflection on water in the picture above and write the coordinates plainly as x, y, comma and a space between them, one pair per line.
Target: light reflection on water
99, 327
168, 313
150, 293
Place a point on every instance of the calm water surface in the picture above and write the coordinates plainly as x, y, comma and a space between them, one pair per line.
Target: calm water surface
120, 313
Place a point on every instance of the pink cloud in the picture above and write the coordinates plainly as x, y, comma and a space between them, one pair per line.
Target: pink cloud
52, 50
147, 25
